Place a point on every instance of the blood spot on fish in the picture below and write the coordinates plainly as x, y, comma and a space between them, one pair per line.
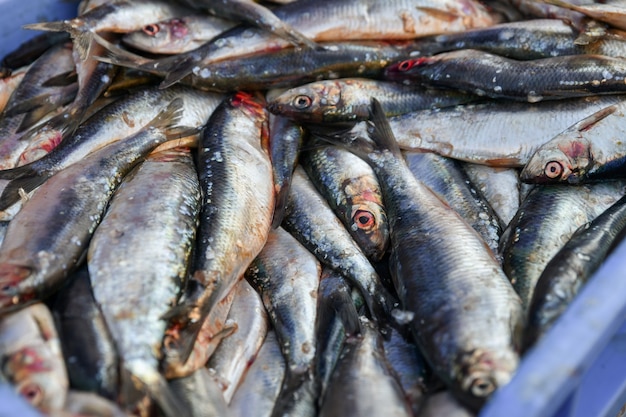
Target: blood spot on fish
574, 149
179, 28
306, 347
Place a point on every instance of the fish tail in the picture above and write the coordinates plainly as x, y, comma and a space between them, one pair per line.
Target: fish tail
380, 131
180, 70
168, 118
80, 34
119, 56
142, 375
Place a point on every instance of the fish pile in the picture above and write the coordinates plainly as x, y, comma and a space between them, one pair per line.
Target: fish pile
305, 208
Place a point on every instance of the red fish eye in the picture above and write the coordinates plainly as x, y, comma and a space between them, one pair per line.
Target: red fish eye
405, 65
151, 29
302, 102
364, 219
553, 169
32, 393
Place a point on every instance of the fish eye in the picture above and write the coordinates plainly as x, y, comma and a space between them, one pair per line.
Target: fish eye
32, 393
364, 219
405, 65
482, 387
553, 169
151, 29
302, 102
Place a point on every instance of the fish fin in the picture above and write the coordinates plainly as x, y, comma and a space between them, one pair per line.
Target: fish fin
439, 14
280, 203
80, 35
182, 69
380, 131
120, 56
168, 119
62, 80
156, 386
589, 122
14, 190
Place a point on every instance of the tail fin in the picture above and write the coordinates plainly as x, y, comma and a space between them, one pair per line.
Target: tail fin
16, 188
167, 120
156, 386
80, 34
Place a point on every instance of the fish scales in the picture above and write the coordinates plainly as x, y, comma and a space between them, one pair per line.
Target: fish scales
139, 253
467, 317
236, 215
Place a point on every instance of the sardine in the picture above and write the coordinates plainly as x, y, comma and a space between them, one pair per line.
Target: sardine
467, 317
201, 394
90, 355
613, 14
88, 404
287, 276
120, 16
443, 403
231, 359
115, 121
348, 99
363, 382
570, 269
310, 219
286, 138
236, 215
31, 357
257, 393
500, 186
35, 257
445, 177
138, 259
496, 133
332, 21
590, 150
177, 35
545, 221
490, 75
351, 189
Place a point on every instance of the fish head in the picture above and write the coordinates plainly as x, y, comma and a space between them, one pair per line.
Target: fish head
16, 287
315, 102
566, 162
37, 372
161, 37
481, 372
368, 218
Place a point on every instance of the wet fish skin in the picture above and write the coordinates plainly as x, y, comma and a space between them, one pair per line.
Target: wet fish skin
286, 139
351, 189
347, 99
31, 357
257, 393
30, 101
236, 213
546, 219
503, 134
35, 257
363, 382
498, 77
287, 276
115, 121
446, 178
590, 150
138, 258
337, 320
443, 403
570, 269
500, 186
310, 219
201, 394
331, 21
280, 68
467, 317
230, 361
177, 35
90, 355
120, 16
